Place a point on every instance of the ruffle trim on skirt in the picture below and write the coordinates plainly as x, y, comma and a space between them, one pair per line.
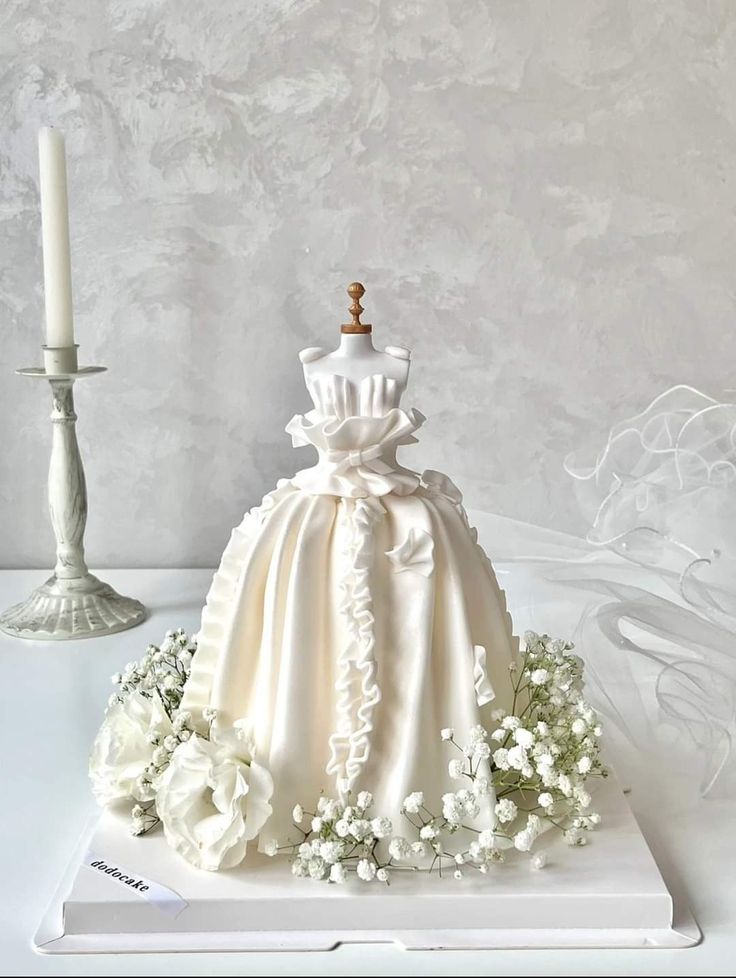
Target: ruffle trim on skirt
217, 611
358, 692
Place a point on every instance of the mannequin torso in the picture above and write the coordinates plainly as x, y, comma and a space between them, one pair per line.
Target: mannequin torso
356, 358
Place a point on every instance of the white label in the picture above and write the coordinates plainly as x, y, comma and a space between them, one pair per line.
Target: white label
166, 900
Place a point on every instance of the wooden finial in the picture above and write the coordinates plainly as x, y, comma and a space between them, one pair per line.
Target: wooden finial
356, 293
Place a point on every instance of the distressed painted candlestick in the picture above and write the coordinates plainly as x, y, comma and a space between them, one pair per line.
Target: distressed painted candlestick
73, 603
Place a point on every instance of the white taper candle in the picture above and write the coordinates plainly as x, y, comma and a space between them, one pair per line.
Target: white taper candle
55, 225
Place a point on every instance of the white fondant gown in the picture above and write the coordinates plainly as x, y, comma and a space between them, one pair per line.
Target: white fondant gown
353, 616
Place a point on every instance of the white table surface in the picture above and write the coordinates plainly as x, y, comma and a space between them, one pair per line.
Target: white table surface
53, 700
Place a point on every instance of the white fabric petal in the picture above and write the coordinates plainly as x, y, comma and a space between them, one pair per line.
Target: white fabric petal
484, 691
414, 554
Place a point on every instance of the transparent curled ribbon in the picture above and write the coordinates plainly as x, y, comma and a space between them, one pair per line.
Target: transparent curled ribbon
662, 493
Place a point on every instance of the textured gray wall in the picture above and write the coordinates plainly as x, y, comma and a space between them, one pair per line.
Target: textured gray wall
539, 197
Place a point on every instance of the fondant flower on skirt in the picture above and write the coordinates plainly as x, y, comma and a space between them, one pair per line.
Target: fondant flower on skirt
213, 797
123, 747
414, 554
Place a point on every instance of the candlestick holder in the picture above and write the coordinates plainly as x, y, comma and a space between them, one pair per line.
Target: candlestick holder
72, 603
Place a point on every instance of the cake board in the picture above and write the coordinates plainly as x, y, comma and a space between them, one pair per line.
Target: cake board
609, 894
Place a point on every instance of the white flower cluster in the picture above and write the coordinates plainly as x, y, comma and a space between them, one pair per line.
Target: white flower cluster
203, 784
531, 776
163, 669
549, 744
142, 728
340, 838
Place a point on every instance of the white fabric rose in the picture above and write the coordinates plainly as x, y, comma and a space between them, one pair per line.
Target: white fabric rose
213, 797
122, 749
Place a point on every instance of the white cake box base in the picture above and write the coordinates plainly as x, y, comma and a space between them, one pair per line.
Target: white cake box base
609, 894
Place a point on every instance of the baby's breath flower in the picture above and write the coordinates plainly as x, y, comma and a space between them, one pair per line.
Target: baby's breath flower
505, 810
486, 839
399, 849
523, 841
331, 809
331, 851
524, 738
575, 837
271, 847
455, 768
582, 797
482, 750
342, 827
477, 733
565, 785
517, 757
538, 860
413, 802
317, 867
381, 827
501, 759
360, 828
481, 786
382, 875
365, 800
337, 873
182, 719
297, 814
366, 870
447, 733
451, 808
137, 826
533, 824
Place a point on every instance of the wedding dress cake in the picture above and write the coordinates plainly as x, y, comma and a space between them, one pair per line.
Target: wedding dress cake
353, 639
354, 613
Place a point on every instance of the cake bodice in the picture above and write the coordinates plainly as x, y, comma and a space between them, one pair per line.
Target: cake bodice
356, 429
335, 395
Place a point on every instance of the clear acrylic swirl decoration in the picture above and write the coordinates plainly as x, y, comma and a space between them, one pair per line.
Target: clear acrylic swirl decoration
662, 493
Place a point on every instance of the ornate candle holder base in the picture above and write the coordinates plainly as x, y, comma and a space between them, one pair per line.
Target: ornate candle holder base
73, 603
83, 607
